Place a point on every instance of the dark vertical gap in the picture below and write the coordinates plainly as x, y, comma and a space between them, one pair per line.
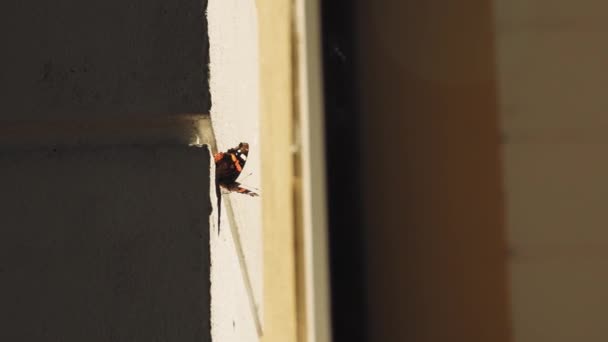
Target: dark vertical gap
342, 116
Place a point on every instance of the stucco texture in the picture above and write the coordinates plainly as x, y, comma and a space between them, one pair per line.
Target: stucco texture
105, 244
82, 59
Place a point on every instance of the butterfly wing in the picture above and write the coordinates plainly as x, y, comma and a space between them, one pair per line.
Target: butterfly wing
230, 164
237, 187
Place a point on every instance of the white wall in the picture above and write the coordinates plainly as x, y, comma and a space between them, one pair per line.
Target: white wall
236, 251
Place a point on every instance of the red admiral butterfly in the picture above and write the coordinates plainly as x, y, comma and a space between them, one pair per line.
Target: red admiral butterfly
228, 167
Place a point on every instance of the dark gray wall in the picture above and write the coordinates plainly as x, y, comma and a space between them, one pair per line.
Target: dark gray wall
82, 58
105, 244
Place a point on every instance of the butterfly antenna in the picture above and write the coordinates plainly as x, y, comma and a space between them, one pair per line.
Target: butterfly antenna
248, 186
245, 177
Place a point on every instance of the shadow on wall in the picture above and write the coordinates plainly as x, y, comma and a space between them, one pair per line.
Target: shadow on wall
105, 244
77, 58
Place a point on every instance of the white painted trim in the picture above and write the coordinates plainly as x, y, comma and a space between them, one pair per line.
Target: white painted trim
311, 132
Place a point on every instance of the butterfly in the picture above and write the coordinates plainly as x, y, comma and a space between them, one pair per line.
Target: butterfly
228, 167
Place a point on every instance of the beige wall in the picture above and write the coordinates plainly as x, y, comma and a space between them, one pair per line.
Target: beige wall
552, 70
276, 137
